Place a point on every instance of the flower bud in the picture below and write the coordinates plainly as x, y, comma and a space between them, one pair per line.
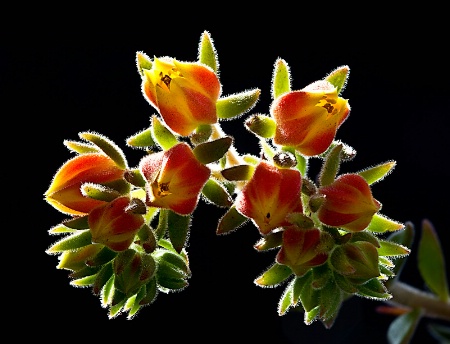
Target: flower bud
308, 119
65, 192
269, 196
348, 203
185, 94
174, 178
115, 224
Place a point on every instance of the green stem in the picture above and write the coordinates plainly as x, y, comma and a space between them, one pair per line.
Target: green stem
406, 295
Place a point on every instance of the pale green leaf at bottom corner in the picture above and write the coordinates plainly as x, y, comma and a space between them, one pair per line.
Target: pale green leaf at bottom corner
402, 329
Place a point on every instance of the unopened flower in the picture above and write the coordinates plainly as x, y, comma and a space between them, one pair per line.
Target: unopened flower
65, 193
174, 178
270, 195
300, 249
115, 224
348, 203
308, 119
184, 93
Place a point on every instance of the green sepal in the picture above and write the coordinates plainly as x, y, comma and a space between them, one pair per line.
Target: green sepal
176, 262
330, 299
162, 135
103, 276
107, 146
320, 276
76, 259
238, 172
392, 249
84, 272
405, 238
80, 222
217, 194
237, 104
201, 134
61, 229
274, 275
143, 62
230, 221
151, 291
71, 242
178, 227
141, 139
136, 306
162, 226
365, 236
309, 296
281, 80
299, 284
117, 302
207, 53
330, 166
381, 224
268, 242
107, 292
378, 172
431, 262
99, 192
373, 289
84, 281
386, 272
403, 327
147, 239
268, 150
170, 272
344, 284
104, 256
211, 151
286, 299
311, 315
338, 78
302, 163
80, 147
261, 125
135, 177
300, 220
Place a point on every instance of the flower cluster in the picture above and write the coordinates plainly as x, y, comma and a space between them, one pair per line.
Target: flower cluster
128, 226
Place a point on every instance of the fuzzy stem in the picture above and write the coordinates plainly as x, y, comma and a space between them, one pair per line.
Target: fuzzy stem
406, 295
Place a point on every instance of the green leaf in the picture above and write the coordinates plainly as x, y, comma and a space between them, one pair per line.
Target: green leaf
374, 290
84, 281
107, 292
406, 238
261, 125
212, 150
309, 296
431, 261
99, 192
311, 315
440, 332
217, 194
390, 248
274, 275
80, 222
103, 276
107, 146
141, 139
178, 226
378, 172
162, 135
403, 327
330, 166
286, 300
238, 172
237, 104
330, 299
281, 81
207, 52
338, 78
382, 224
76, 240
230, 221
80, 147
143, 62
269, 241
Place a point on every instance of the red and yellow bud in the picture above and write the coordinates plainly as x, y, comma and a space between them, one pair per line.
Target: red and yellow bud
300, 249
184, 93
175, 179
269, 196
65, 192
348, 203
308, 119
115, 224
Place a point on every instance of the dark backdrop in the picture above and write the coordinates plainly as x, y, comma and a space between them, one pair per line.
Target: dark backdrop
63, 82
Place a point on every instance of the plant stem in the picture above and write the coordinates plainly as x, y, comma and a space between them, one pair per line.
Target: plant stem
406, 295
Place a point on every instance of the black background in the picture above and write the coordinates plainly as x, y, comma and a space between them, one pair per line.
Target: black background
67, 80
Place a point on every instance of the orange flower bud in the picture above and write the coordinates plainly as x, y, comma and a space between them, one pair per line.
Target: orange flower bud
269, 196
115, 224
175, 179
299, 249
65, 193
308, 119
185, 94
348, 203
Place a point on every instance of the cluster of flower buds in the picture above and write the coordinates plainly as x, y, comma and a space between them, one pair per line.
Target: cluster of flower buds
127, 228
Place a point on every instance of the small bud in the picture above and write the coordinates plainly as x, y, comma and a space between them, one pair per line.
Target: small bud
284, 160
261, 125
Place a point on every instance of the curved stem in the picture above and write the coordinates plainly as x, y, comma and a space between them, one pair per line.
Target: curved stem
406, 295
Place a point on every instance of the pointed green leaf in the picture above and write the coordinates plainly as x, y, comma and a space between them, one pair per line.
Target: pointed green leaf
281, 81
286, 300
330, 166
61, 229
344, 284
80, 222
107, 146
211, 151
381, 224
311, 315
374, 290
104, 256
151, 292
178, 226
217, 194
261, 125
331, 298
162, 135
309, 296
78, 239
102, 278
390, 248
238, 172
99, 192
274, 275
84, 282
402, 329
207, 52
237, 104
406, 238
269, 241
81, 147
378, 172
230, 221
338, 78
107, 292
431, 261
141, 139
143, 62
